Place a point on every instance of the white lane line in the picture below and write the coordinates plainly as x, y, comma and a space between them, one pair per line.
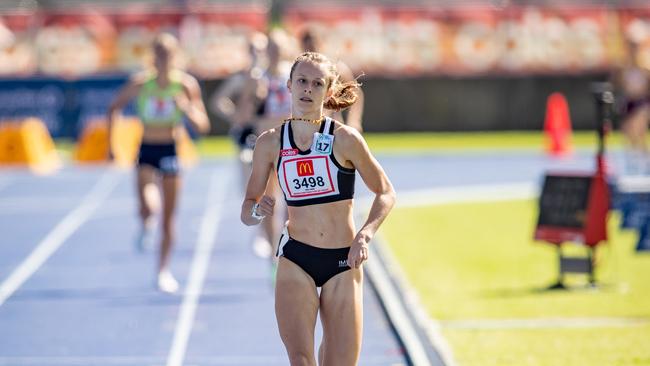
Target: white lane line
473, 193
58, 235
461, 194
467, 194
199, 268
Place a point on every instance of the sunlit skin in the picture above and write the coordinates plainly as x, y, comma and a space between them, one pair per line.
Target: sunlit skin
328, 225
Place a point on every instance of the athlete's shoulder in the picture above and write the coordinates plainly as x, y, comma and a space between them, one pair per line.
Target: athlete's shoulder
186, 79
269, 139
141, 77
346, 134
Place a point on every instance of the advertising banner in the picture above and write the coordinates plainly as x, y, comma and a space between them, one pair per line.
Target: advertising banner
64, 106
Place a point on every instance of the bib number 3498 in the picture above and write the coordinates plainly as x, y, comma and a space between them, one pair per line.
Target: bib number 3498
311, 182
308, 177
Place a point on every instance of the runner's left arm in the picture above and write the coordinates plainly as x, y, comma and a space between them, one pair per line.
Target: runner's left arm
266, 148
191, 103
373, 175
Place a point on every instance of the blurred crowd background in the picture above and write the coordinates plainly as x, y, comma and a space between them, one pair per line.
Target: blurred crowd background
426, 65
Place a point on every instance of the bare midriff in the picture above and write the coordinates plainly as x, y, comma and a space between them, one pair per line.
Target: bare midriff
159, 134
326, 225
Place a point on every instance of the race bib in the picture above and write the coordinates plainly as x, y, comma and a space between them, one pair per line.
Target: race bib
305, 177
159, 108
323, 143
169, 165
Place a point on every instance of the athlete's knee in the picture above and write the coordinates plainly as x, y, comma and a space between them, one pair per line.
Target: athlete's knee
301, 358
340, 358
145, 212
341, 350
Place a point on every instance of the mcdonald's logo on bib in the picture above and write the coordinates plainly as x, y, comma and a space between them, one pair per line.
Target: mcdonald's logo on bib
305, 168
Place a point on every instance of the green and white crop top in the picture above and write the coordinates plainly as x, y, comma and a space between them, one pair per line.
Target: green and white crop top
156, 106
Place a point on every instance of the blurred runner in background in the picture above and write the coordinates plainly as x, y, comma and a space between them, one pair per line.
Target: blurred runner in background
268, 96
632, 83
227, 99
165, 96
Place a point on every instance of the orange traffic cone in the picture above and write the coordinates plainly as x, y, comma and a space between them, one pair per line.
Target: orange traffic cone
557, 125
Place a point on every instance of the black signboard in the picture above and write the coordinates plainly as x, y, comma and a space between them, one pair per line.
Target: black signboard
65, 106
564, 201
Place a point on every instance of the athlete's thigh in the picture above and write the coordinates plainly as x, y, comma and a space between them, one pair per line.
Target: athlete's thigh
341, 312
170, 187
145, 182
145, 174
296, 307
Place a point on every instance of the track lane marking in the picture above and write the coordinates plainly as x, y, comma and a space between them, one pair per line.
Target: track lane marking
199, 267
55, 238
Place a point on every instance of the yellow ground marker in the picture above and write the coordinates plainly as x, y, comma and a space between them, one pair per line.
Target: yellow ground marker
28, 143
92, 146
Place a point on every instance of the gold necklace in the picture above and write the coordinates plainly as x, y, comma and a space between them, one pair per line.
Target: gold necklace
312, 121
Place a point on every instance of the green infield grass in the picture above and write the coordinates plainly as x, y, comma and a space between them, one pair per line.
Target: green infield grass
412, 142
422, 142
415, 142
478, 271
209, 146
216, 146
426, 141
